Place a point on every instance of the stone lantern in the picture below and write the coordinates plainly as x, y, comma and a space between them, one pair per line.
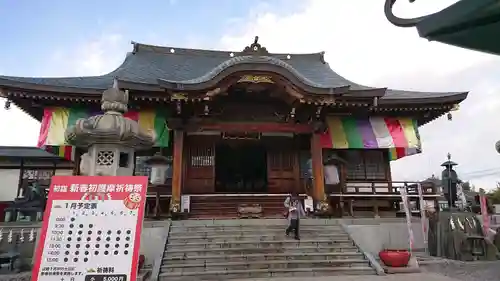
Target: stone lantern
449, 181
110, 138
159, 166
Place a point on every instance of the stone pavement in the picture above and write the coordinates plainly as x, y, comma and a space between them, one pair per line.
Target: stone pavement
466, 271
392, 277
24, 276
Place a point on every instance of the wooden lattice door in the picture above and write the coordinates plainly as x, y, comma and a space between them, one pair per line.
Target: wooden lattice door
200, 172
282, 170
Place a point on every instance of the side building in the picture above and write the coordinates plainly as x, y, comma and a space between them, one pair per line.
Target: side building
22, 169
248, 127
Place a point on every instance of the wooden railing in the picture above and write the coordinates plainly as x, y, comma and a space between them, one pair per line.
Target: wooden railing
385, 189
361, 199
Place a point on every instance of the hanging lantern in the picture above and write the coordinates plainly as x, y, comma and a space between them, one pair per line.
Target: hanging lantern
497, 146
7, 104
159, 166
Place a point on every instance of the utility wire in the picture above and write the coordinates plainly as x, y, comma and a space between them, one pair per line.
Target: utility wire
481, 171
483, 176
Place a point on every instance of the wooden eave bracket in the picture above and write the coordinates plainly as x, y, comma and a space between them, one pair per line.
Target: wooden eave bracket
413, 108
52, 96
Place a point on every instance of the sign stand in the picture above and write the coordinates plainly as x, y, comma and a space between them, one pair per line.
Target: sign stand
91, 229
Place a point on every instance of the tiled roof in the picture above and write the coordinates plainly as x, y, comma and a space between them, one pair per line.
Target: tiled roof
26, 152
148, 64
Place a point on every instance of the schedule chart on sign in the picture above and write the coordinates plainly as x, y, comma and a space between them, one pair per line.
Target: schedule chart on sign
92, 232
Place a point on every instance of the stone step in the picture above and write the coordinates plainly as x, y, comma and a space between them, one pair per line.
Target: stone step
181, 258
233, 213
251, 223
256, 222
251, 249
263, 264
199, 215
223, 236
236, 204
247, 233
254, 228
258, 243
264, 273
259, 197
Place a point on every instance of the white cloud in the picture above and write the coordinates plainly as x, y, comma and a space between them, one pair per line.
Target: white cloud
17, 128
364, 47
92, 56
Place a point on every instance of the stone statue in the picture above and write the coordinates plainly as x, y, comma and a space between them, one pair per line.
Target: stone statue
33, 192
30, 206
34, 195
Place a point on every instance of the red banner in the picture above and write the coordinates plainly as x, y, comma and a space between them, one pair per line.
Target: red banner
484, 213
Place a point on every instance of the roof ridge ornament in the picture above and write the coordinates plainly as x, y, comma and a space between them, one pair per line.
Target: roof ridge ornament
135, 46
322, 57
255, 49
397, 21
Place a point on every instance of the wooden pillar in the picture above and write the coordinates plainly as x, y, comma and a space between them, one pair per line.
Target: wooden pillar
177, 171
78, 161
317, 170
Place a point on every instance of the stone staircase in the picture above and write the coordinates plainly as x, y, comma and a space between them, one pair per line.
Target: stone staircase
209, 207
228, 249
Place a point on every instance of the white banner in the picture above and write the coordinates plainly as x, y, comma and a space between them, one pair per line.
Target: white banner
406, 206
423, 218
461, 197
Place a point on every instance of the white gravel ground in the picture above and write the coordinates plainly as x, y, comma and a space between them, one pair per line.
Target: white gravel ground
393, 277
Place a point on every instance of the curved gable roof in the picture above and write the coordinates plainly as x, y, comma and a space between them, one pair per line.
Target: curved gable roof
148, 65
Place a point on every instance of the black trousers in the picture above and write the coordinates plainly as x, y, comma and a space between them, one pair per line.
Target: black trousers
293, 226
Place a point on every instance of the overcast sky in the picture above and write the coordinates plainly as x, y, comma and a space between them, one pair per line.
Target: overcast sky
67, 38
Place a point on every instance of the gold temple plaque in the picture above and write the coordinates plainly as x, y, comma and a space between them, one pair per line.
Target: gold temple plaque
178, 96
256, 79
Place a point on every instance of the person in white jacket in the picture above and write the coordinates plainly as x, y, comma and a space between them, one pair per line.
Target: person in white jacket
295, 212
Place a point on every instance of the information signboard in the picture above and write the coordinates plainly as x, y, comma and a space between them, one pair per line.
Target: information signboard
91, 229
